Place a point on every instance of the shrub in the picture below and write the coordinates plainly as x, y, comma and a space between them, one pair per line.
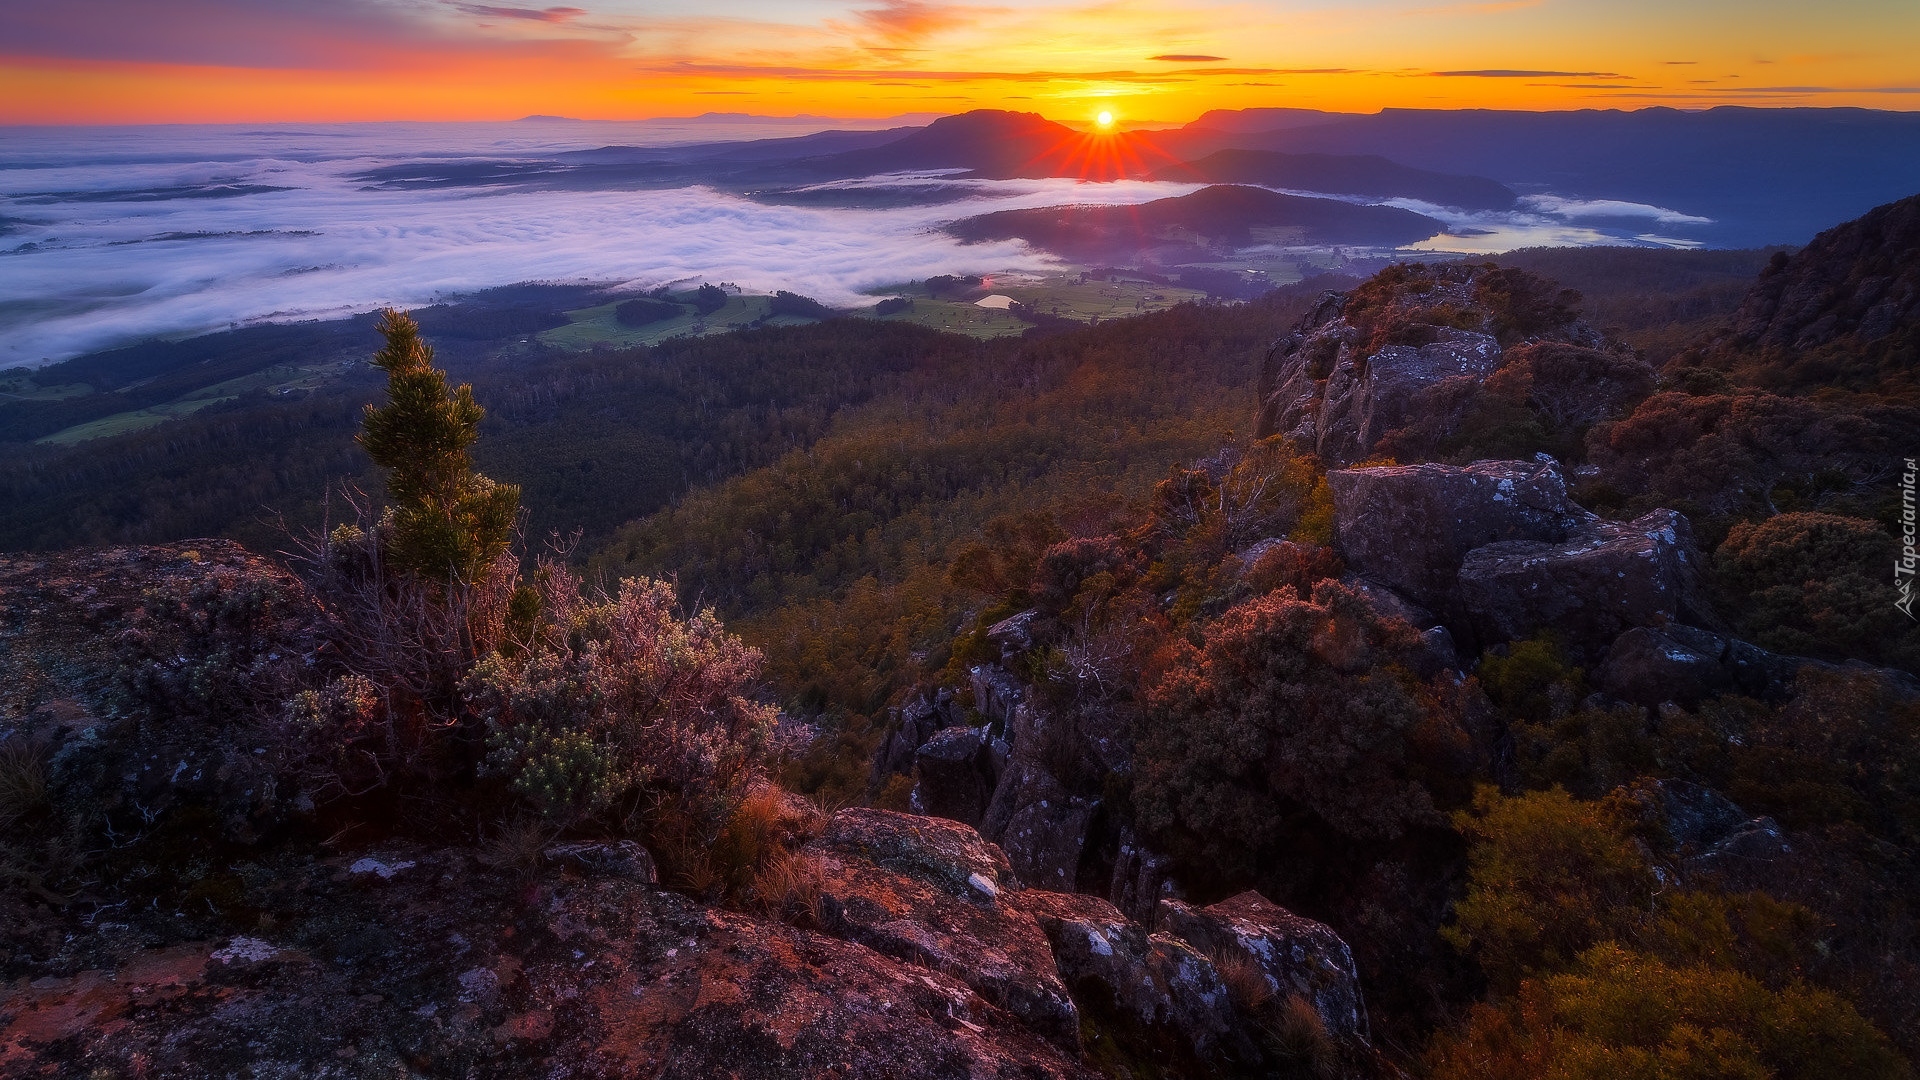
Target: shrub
23, 778
1291, 705
1625, 1014
1548, 876
618, 697
1816, 584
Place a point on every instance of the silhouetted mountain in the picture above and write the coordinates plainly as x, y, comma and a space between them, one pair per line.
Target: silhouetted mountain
1765, 176
1341, 175
1223, 216
1242, 120
998, 144
753, 152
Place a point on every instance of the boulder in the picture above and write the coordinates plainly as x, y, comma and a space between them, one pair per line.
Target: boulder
1152, 979
956, 774
1608, 578
1695, 817
1012, 636
1042, 828
614, 858
1141, 878
1409, 527
1365, 398
1687, 665
934, 894
1297, 956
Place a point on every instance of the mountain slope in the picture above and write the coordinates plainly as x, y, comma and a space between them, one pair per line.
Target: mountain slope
1365, 174
1845, 307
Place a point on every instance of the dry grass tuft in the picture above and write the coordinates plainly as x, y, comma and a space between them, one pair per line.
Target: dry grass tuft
516, 848
23, 779
1246, 983
1296, 1033
789, 887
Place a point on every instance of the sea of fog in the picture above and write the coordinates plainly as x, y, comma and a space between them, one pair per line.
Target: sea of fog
110, 235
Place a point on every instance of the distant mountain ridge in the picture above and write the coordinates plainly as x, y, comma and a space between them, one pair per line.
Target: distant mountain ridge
1366, 174
1220, 216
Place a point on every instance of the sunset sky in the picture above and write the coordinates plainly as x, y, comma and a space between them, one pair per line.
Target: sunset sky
146, 61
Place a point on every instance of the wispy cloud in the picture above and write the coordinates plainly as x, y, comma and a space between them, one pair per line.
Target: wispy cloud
1187, 58
910, 22
1512, 73
548, 15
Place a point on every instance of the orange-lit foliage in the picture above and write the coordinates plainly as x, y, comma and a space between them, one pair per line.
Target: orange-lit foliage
1290, 706
1622, 1015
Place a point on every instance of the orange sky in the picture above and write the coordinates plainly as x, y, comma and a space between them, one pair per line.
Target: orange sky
148, 61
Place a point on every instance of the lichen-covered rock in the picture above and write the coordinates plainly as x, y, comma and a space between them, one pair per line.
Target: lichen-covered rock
1141, 878
1685, 664
157, 676
996, 694
1604, 580
1409, 527
1152, 979
956, 774
1297, 956
559, 978
933, 893
617, 858
1043, 829
1365, 398
1012, 636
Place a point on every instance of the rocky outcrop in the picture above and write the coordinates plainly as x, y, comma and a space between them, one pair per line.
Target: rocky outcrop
956, 774
156, 674
1498, 551
1607, 578
1410, 527
1855, 286
1687, 665
1404, 361
932, 892
1043, 829
1295, 955
1155, 980
563, 976
911, 725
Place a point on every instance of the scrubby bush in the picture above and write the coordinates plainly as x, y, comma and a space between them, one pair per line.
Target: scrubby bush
1624, 1014
1288, 707
1816, 584
618, 701
1521, 304
1548, 877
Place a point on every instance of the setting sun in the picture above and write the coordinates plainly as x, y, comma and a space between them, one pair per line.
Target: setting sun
1105, 119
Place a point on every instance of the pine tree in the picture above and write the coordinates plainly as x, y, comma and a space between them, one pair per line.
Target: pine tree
449, 522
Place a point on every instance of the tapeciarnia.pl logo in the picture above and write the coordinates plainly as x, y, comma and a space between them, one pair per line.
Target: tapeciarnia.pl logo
1903, 567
